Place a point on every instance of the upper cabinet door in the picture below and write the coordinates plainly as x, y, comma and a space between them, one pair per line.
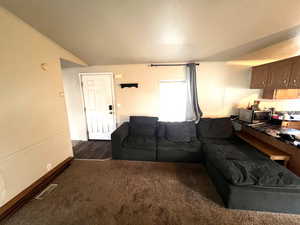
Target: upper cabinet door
259, 78
280, 73
295, 76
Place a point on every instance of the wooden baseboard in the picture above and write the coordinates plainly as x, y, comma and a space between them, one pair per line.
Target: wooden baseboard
19, 200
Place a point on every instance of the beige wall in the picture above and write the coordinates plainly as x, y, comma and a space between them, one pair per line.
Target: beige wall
33, 122
74, 104
222, 87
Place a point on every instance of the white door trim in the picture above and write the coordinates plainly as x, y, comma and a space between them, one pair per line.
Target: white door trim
82, 96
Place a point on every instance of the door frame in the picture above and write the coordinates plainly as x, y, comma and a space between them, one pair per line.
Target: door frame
111, 75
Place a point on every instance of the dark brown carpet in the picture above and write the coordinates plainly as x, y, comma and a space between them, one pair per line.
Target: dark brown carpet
137, 193
92, 150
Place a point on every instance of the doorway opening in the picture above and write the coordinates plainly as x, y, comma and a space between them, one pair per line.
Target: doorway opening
98, 99
90, 104
97, 91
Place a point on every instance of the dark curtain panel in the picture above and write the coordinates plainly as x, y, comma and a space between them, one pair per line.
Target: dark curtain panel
193, 111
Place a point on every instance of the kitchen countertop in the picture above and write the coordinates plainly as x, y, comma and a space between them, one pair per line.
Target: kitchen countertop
295, 118
274, 130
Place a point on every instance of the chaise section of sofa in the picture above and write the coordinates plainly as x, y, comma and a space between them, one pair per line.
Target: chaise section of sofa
244, 177
251, 197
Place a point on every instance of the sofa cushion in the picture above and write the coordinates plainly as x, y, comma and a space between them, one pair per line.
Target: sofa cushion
180, 131
215, 128
238, 150
161, 131
274, 199
217, 141
166, 145
143, 126
241, 164
140, 142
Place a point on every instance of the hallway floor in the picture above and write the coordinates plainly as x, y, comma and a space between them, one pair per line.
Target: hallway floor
92, 149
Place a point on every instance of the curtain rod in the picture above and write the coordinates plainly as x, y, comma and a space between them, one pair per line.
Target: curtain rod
183, 64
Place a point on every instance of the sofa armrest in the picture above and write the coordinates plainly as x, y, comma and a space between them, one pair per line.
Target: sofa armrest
117, 138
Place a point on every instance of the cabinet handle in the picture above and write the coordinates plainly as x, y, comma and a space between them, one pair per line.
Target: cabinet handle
294, 81
284, 81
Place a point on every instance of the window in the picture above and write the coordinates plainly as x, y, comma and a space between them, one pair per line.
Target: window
172, 100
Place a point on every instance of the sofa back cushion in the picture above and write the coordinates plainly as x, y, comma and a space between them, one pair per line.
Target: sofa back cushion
177, 131
161, 132
143, 126
215, 128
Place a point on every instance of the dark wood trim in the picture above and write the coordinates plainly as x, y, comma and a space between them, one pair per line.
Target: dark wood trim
269, 150
289, 149
18, 201
292, 151
269, 93
281, 74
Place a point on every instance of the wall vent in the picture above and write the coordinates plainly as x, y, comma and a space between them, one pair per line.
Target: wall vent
46, 191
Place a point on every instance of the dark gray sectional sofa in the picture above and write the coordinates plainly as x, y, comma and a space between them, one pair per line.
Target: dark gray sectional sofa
136, 140
178, 142
243, 176
144, 138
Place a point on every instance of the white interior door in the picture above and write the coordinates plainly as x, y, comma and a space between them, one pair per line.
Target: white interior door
99, 105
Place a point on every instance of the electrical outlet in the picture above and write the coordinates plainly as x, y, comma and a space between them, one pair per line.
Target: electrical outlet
49, 166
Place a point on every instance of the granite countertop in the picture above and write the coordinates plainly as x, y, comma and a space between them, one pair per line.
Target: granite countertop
275, 130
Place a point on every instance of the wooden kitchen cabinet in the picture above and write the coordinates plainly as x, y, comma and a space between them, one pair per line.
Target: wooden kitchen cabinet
280, 73
259, 78
294, 81
286, 94
283, 74
291, 124
281, 93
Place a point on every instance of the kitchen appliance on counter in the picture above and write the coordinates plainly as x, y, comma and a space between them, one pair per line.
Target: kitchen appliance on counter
253, 116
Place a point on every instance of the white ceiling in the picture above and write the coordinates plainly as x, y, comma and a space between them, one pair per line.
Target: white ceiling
144, 31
